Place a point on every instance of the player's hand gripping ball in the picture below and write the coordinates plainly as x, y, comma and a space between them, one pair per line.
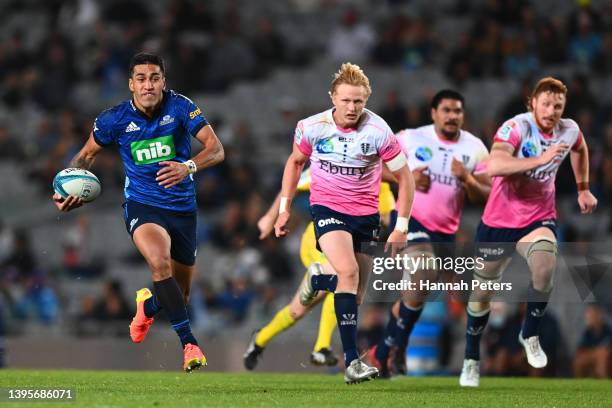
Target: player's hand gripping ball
77, 182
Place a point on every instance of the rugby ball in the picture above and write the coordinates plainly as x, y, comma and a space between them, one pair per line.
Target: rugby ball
77, 182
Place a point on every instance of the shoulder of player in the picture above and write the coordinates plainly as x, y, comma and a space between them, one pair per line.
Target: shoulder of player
375, 123
413, 134
471, 139
568, 124
114, 114
316, 121
178, 98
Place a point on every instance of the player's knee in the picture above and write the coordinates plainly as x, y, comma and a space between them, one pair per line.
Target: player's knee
542, 259
297, 311
478, 307
160, 266
348, 272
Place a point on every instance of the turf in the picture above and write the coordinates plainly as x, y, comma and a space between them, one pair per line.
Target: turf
176, 389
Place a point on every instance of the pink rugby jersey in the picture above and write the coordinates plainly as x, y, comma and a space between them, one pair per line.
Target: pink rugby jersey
521, 199
439, 209
345, 164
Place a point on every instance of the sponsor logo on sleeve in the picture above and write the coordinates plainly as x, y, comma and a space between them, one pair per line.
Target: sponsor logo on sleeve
504, 133
193, 114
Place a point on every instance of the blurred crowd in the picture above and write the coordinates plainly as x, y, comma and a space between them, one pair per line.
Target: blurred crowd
62, 62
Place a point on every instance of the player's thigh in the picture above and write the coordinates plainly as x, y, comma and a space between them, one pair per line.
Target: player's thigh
182, 230
184, 276
153, 242
537, 234
337, 246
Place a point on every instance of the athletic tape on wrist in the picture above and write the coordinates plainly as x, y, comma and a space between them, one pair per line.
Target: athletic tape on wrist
191, 166
283, 204
402, 224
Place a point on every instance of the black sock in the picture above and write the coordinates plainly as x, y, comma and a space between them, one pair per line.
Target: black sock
536, 306
346, 314
171, 300
387, 340
151, 306
407, 318
476, 324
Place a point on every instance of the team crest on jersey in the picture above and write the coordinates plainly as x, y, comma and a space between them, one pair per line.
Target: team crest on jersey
423, 153
325, 146
529, 149
365, 148
167, 119
465, 159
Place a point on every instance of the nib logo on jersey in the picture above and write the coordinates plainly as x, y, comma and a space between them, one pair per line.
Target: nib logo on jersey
153, 150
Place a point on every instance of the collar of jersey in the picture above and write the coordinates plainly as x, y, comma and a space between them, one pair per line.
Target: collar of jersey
165, 96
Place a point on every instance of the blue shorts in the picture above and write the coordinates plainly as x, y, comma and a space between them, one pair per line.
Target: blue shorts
180, 226
363, 228
490, 241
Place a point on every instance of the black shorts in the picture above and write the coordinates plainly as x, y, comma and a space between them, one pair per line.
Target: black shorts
180, 226
417, 233
363, 228
493, 244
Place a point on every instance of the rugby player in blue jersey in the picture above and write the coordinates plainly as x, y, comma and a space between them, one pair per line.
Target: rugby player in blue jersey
153, 131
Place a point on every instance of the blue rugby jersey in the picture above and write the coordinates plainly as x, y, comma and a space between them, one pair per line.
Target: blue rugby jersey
144, 142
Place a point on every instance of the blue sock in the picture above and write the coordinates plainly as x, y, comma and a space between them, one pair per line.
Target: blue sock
476, 323
387, 341
171, 300
407, 318
346, 314
326, 282
151, 306
536, 306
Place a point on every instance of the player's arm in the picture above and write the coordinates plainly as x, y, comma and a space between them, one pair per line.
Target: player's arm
266, 223
291, 176
172, 173
82, 160
477, 186
503, 162
387, 175
579, 157
86, 156
405, 196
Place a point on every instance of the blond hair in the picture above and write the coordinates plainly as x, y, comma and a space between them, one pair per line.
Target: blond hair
548, 84
350, 74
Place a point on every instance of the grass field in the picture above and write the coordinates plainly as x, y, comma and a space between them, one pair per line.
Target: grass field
163, 389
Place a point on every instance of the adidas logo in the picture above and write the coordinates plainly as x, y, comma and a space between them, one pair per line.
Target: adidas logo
132, 127
475, 331
538, 312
